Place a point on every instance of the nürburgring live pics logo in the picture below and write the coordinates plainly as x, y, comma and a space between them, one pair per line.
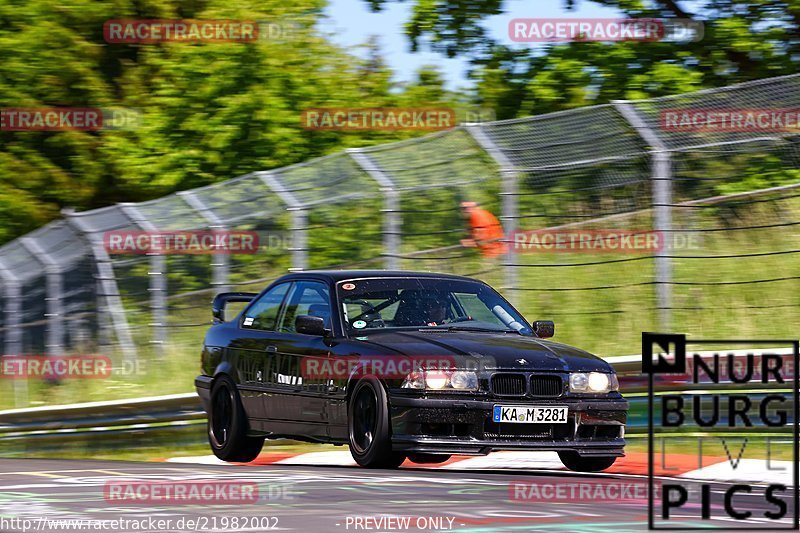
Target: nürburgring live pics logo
742, 398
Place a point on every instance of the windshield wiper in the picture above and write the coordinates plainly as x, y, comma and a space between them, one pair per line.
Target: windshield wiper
489, 330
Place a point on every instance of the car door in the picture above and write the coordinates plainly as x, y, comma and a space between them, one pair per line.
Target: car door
306, 395
253, 353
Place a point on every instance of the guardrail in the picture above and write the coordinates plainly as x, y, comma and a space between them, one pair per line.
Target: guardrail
169, 414
159, 417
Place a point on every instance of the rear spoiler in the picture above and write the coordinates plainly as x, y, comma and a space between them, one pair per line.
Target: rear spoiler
222, 299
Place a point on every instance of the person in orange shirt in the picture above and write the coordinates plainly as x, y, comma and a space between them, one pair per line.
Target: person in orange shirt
486, 232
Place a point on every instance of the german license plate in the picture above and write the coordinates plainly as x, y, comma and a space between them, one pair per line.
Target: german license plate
518, 414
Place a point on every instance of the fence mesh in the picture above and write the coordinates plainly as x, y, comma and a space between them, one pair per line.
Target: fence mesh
666, 114
729, 267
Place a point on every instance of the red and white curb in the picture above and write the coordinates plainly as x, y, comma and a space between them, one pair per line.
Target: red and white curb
685, 466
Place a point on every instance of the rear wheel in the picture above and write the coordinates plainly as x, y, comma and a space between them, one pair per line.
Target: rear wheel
576, 463
369, 427
227, 425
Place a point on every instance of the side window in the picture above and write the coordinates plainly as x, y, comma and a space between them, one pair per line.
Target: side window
264, 313
306, 298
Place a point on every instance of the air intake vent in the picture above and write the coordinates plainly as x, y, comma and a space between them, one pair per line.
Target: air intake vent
508, 384
547, 386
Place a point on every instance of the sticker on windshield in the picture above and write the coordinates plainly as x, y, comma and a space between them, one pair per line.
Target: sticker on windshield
248, 321
349, 286
359, 324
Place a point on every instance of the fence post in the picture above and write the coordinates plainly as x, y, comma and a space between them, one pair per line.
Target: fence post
157, 276
510, 207
54, 296
392, 221
12, 339
661, 178
12, 311
220, 263
110, 302
299, 239
299, 213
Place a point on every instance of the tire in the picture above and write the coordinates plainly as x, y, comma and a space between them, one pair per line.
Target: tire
428, 458
227, 425
369, 428
576, 463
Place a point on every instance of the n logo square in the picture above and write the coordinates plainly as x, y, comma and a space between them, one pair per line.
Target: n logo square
663, 353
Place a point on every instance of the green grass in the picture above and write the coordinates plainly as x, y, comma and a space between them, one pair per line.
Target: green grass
610, 321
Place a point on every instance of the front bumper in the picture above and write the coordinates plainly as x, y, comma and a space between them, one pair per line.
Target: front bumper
465, 426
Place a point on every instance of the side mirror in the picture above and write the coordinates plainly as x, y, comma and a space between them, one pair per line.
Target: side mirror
311, 325
544, 329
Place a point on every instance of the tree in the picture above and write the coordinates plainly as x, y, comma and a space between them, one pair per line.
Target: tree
743, 40
208, 111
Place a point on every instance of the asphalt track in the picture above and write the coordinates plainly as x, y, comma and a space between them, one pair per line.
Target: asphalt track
50, 493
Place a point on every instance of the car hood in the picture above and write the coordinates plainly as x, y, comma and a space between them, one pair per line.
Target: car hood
493, 350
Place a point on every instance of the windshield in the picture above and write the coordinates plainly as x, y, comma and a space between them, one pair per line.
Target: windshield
417, 303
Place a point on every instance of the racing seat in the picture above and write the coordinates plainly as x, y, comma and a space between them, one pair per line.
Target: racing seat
321, 310
408, 311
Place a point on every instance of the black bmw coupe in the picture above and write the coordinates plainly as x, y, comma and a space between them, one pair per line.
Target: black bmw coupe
402, 365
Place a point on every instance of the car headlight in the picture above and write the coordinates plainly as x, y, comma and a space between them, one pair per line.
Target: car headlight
464, 380
441, 380
593, 382
436, 380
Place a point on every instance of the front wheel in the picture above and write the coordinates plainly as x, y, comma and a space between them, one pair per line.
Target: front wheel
227, 425
369, 427
576, 463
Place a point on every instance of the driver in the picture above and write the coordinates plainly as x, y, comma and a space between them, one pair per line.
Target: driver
434, 309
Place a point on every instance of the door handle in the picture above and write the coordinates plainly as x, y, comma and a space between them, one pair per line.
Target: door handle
272, 349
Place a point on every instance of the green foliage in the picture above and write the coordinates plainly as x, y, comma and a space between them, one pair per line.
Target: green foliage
743, 40
208, 112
